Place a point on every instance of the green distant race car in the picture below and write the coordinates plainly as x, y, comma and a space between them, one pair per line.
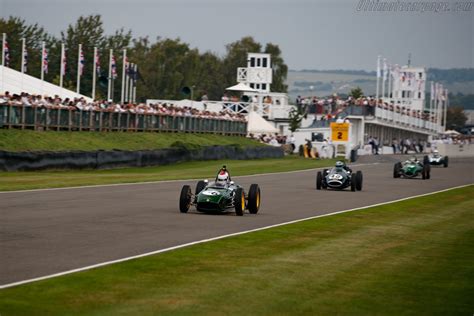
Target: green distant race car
413, 168
219, 196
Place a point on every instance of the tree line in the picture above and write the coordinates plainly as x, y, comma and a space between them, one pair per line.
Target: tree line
165, 65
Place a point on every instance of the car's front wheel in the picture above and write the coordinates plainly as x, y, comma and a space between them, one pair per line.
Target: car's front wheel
185, 199
396, 170
353, 182
446, 161
239, 202
319, 180
254, 199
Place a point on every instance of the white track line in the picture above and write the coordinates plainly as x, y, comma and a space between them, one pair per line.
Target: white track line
4, 286
169, 181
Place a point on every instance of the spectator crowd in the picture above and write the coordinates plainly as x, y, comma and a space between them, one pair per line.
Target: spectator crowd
81, 104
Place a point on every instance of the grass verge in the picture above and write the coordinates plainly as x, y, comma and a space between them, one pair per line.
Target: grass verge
26, 140
11, 181
411, 257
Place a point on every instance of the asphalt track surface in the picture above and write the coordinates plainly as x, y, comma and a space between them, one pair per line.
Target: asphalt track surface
50, 231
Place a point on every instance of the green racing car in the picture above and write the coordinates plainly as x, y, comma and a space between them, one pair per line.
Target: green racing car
221, 195
413, 168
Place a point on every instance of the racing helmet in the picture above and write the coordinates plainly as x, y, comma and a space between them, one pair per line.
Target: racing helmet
340, 164
436, 153
222, 178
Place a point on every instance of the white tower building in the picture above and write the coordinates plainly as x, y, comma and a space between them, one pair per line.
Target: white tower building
258, 73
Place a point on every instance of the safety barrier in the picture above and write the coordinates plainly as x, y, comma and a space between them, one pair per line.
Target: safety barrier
41, 118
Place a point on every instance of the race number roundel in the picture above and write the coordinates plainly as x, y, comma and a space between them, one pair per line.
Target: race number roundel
339, 132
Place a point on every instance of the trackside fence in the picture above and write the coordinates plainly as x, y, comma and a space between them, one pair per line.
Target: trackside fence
66, 119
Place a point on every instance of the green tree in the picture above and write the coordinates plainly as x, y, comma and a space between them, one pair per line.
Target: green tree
296, 115
356, 93
455, 117
16, 29
237, 57
279, 68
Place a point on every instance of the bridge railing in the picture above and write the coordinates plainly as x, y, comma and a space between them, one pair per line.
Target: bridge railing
41, 118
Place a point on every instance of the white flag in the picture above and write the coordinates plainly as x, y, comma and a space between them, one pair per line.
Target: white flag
385, 69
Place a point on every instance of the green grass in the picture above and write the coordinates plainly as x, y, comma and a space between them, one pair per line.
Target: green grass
408, 258
26, 140
11, 181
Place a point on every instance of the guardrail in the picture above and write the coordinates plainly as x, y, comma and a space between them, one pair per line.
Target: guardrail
41, 118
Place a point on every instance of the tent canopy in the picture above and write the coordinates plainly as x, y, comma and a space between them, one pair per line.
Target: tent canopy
241, 87
451, 132
258, 125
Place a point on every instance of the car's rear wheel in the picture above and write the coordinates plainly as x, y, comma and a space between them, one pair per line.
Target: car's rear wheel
254, 199
428, 171
446, 161
319, 180
239, 202
199, 187
359, 180
353, 182
396, 170
185, 199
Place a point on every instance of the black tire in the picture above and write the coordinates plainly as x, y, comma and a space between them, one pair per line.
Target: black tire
426, 160
254, 199
396, 170
359, 179
239, 202
323, 183
353, 182
319, 180
185, 199
428, 172
446, 161
199, 187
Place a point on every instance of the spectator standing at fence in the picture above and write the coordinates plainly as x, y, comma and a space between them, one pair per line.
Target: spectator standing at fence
376, 145
394, 145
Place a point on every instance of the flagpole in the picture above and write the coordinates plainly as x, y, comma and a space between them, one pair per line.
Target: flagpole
127, 81
135, 76
123, 76
445, 108
94, 73
128, 89
79, 69
389, 92
43, 44
110, 75
62, 69
378, 76
384, 76
23, 55
4, 39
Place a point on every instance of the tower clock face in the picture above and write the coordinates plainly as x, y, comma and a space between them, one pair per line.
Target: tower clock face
259, 76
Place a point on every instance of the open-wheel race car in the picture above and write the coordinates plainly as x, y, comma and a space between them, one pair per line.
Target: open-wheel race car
413, 168
219, 196
436, 159
339, 177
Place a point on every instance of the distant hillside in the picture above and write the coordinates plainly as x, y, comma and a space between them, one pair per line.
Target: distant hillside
327, 82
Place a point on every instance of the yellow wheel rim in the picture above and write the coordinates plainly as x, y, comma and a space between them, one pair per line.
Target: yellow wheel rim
243, 201
258, 200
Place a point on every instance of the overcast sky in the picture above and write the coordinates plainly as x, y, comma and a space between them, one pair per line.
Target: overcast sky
311, 34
